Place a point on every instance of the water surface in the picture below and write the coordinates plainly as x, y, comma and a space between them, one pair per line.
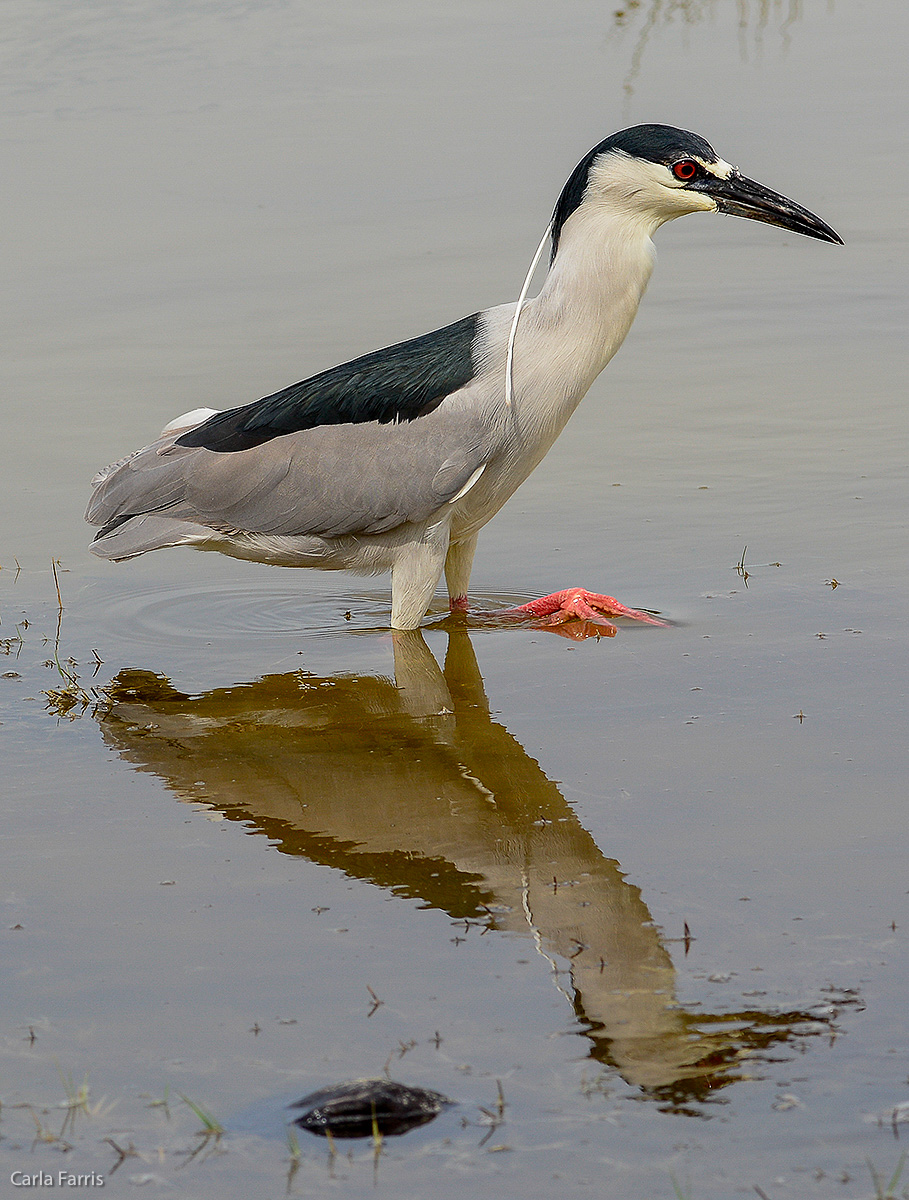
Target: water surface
652, 886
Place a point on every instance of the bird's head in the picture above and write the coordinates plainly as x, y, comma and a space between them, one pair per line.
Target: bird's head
653, 173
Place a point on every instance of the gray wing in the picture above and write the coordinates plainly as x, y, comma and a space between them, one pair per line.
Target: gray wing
359, 478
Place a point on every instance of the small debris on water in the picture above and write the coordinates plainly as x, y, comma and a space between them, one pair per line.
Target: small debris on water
786, 1101
898, 1114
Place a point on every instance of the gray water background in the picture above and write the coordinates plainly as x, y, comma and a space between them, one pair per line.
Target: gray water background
206, 201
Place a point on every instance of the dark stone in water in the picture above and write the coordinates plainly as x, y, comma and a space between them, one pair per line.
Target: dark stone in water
358, 1108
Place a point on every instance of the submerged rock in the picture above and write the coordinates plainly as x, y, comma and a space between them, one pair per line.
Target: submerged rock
361, 1107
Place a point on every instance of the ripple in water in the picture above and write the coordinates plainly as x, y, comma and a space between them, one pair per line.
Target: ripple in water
173, 614
199, 614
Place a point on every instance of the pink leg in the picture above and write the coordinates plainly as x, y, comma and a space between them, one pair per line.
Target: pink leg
579, 603
573, 613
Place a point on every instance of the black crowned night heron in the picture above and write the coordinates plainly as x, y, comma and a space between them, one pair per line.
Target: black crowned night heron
396, 460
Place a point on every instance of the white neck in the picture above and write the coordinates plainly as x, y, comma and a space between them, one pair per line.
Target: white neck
569, 332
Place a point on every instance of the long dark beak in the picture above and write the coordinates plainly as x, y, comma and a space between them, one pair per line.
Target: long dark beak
742, 197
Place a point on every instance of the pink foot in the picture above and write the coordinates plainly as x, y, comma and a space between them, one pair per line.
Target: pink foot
578, 603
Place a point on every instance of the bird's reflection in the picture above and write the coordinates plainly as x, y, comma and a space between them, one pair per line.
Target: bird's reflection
412, 786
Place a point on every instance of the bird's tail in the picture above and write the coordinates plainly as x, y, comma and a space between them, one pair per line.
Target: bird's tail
128, 536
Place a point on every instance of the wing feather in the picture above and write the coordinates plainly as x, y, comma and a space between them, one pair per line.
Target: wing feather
360, 449
332, 480
398, 383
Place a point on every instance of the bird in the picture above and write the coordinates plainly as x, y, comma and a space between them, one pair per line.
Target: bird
396, 459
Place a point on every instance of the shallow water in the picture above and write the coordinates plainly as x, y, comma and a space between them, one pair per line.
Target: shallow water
654, 886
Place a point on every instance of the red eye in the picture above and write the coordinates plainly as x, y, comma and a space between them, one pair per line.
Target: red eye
686, 169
